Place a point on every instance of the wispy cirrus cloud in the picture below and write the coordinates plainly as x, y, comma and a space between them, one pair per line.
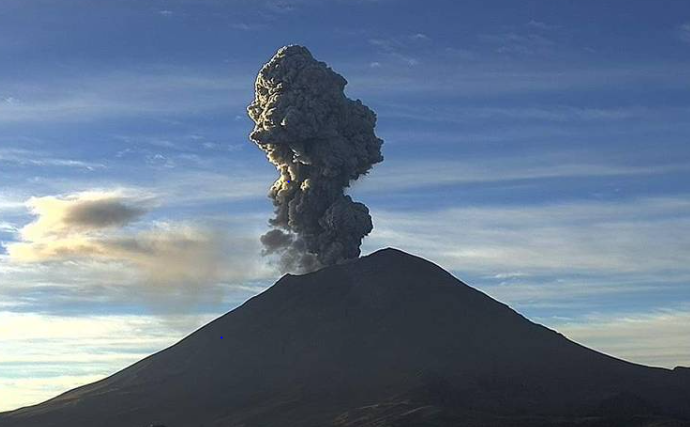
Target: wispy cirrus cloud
633, 236
519, 43
88, 348
24, 157
540, 25
487, 79
531, 39
6, 226
192, 181
154, 92
684, 32
245, 26
406, 175
10, 202
402, 49
551, 113
195, 187
19, 392
657, 338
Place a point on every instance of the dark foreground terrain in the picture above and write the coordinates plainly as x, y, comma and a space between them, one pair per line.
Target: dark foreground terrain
387, 340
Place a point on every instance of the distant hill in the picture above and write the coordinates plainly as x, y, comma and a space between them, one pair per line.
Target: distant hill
386, 340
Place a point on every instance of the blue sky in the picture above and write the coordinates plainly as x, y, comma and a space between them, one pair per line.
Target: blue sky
538, 149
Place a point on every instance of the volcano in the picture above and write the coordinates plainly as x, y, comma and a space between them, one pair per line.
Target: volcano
385, 340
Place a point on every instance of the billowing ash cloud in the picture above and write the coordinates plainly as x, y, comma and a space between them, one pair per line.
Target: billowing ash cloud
320, 141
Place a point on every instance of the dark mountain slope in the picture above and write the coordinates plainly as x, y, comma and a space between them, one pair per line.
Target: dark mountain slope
386, 340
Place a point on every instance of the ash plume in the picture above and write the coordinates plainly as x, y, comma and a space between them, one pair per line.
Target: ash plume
320, 141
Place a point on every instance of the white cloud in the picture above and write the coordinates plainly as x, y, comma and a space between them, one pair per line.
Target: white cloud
659, 338
684, 32
462, 79
420, 36
552, 113
24, 157
243, 26
152, 92
186, 187
174, 262
519, 43
539, 25
402, 48
71, 225
194, 182
7, 227
75, 350
403, 175
634, 236
281, 6
24, 391
534, 292
9, 202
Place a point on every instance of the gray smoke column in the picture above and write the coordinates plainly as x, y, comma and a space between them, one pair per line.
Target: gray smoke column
320, 141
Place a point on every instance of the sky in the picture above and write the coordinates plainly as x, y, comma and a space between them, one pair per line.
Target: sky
538, 150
